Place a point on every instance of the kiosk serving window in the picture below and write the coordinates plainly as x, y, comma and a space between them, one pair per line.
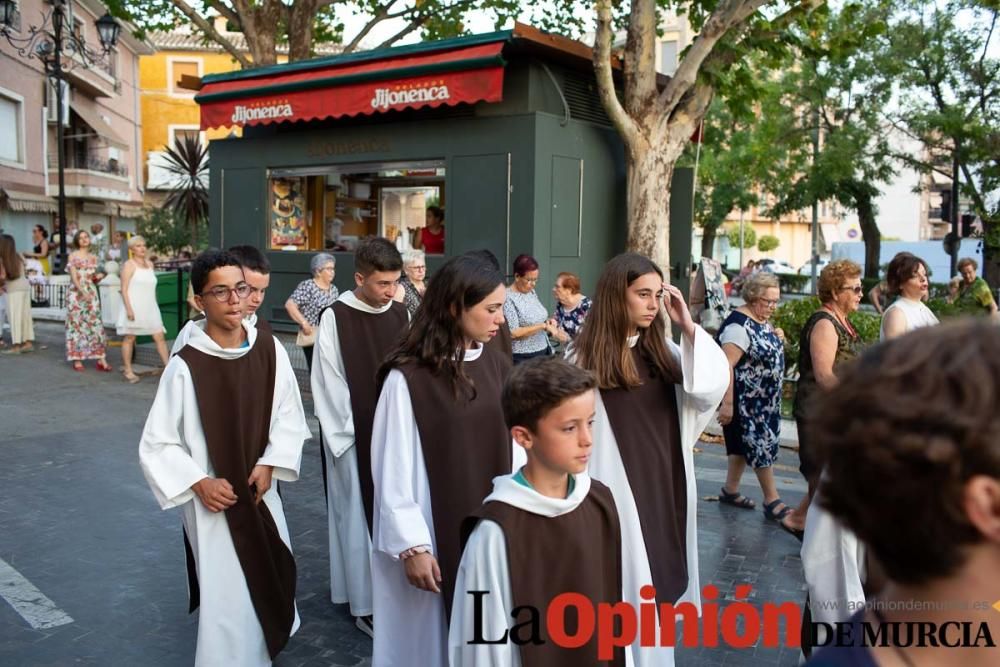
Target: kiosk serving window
332, 208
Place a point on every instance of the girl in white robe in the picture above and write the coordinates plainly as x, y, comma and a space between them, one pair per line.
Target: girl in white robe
629, 296
461, 311
174, 456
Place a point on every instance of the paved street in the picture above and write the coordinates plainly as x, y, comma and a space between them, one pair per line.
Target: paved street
79, 523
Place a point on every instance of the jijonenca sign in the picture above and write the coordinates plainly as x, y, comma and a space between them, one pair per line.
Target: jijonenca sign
385, 97
331, 148
243, 114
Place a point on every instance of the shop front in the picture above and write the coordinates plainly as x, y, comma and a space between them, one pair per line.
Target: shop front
503, 132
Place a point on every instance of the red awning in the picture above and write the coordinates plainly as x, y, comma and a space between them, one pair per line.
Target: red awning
350, 88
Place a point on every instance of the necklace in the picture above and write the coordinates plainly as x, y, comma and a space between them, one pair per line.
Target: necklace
844, 322
899, 651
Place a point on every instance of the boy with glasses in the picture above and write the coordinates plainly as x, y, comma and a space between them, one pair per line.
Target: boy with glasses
257, 275
227, 418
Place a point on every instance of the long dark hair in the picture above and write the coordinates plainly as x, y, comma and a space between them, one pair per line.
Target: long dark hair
435, 335
602, 346
9, 259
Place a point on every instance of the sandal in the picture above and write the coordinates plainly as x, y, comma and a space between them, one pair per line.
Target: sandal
794, 532
78, 366
104, 366
779, 515
130, 377
736, 499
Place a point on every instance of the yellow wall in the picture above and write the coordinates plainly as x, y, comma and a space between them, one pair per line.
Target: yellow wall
161, 108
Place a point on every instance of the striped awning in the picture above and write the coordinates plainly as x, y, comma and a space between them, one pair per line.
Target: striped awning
27, 202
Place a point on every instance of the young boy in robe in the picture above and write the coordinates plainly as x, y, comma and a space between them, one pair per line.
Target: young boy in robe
256, 273
354, 337
226, 420
545, 530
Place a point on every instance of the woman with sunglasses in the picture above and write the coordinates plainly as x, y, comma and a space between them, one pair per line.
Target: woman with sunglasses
828, 340
751, 410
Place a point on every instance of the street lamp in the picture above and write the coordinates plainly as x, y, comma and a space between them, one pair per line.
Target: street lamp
48, 43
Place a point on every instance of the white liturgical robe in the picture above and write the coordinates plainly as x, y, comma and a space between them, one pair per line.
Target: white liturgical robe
706, 378
174, 455
350, 544
412, 628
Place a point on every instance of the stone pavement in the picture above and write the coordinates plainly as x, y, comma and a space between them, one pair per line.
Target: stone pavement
78, 521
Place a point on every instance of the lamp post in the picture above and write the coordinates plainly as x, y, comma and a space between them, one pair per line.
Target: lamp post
48, 43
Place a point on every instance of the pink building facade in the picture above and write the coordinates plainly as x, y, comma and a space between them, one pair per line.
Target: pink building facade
101, 124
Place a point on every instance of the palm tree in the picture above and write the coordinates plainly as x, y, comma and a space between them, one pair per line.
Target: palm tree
187, 160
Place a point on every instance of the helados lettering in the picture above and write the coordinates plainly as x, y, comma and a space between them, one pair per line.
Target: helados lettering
243, 114
385, 97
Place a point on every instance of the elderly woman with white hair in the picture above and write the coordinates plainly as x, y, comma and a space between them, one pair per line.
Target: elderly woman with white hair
751, 410
139, 314
309, 300
412, 285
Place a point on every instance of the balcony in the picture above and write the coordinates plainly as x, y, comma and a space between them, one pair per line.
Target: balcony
159, 176
91, 162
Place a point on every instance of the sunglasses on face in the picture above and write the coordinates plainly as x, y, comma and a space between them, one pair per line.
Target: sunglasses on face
852, 288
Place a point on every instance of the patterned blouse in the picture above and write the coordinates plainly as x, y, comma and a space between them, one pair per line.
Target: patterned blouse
570, 321
976, 297
411, 297
311, 300
525, 310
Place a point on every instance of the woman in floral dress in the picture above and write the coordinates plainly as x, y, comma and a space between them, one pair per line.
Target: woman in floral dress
751, 410
85, 338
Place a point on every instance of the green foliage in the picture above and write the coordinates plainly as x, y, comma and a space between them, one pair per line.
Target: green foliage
792, 283
187, 162
749, 236
791, 317
167, 234
944, 310
431, 19
867, 324
767, 243
942, 58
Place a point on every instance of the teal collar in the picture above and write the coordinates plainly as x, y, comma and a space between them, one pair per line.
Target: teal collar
522, 480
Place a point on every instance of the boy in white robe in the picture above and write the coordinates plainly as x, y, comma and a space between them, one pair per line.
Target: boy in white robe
353, 339
544, 531
181, 452
256, 273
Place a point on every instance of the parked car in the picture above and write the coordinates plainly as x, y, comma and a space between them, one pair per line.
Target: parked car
775, 266
806, 269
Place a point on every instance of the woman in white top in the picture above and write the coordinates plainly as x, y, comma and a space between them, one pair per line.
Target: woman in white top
907, 279
139, 314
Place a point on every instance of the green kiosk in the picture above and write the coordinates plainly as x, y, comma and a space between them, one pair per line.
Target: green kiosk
504, 131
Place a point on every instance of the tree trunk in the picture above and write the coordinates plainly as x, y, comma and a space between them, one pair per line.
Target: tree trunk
650, 168
869, 233
300, 29
708, 234
991, 254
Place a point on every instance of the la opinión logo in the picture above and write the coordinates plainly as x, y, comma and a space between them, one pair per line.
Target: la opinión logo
738, 624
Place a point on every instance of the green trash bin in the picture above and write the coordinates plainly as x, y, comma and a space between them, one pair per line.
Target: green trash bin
172, 302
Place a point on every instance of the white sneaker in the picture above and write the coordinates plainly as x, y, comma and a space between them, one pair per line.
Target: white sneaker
366, 624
